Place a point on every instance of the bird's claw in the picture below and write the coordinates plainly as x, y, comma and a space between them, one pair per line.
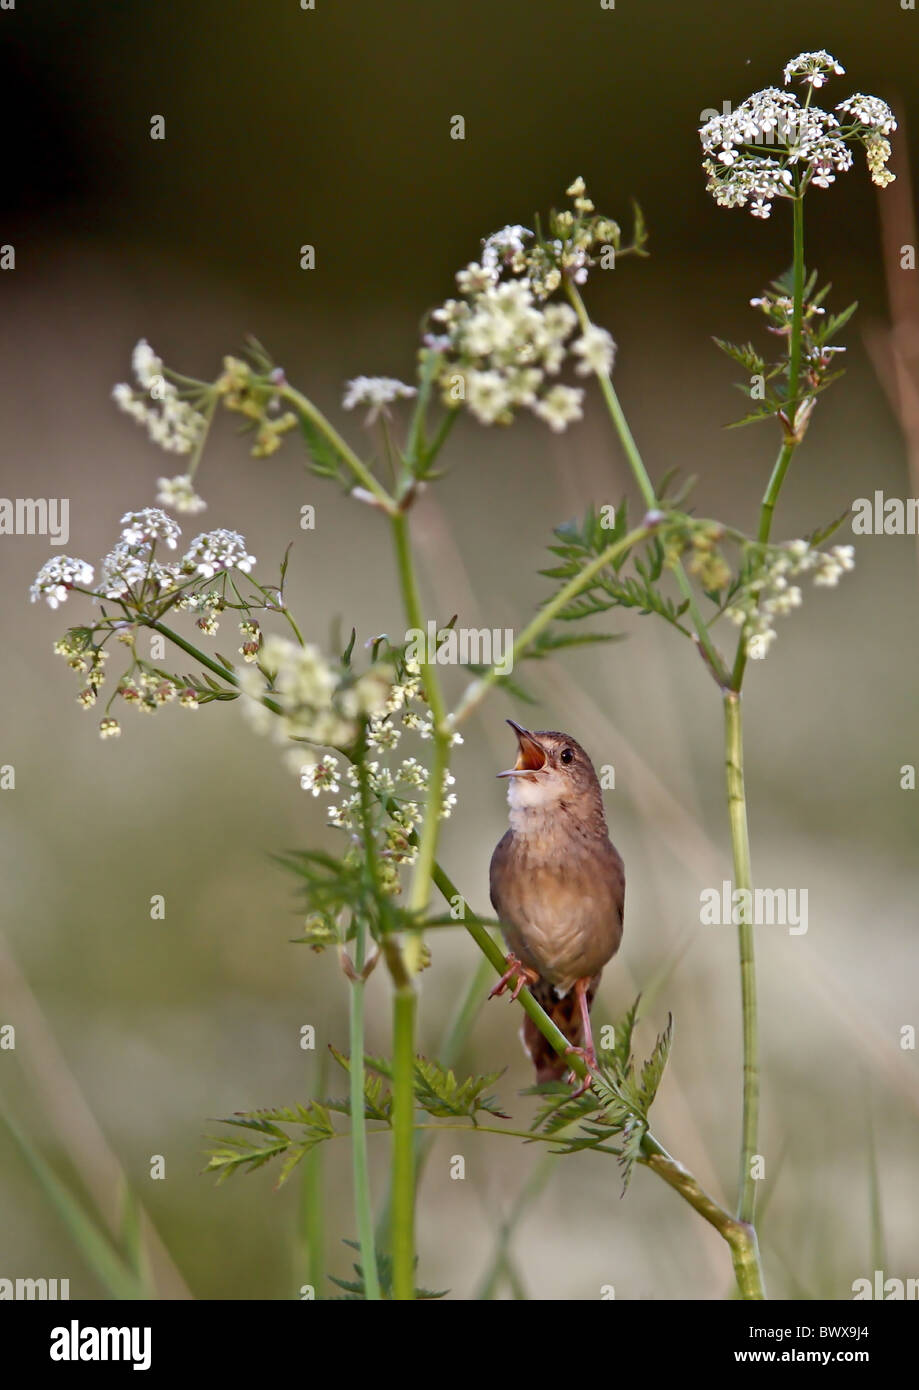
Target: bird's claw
589, 1058
525, 976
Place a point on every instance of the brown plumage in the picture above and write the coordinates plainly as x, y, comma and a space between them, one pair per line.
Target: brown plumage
558, 887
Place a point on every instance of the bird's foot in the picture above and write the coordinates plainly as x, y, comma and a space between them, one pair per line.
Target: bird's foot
589, 1058
525, 976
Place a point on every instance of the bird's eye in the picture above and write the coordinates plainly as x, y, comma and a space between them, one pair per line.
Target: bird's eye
566, 755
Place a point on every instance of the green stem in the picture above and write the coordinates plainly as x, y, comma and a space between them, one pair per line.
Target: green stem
415, 448
360, 470
229, 676
743, 880
740, 1235
449, 1050
312, 1202
403, 965
198, 451
791, 441
797, 311
777, 478
442, 735
363, 1207
403, 1141
646, 488
363, 1203
780, 469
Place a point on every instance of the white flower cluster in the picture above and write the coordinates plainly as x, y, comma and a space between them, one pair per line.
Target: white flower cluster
772, 146
771, 595
873, 122
813, 68
376, 391
870, 112
502, 342
407, 784
143, 687
390, 709
505, 345
217, 551
317, 705
57, 577
179, 494
317, 775
171, 421
149, 525
131, 564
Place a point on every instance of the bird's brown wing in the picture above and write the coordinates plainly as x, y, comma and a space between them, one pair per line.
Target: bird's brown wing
498, 861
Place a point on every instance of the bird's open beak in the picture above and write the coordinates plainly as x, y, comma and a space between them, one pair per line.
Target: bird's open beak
531, 756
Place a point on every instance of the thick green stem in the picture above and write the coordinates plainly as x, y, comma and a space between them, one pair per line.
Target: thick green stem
777, 477
363, 1206
312, 1204
792, 439
797, 312
363, 1202
740, 1235
403, 1141
442, 737
773, 488
740, 842
447, 1053
403, 964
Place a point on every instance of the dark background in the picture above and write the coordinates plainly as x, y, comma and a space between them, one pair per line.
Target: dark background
331, 127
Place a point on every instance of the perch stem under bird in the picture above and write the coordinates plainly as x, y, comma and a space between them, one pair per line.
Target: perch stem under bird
558, 887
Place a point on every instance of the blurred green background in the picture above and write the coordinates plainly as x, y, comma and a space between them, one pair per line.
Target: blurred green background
331, 127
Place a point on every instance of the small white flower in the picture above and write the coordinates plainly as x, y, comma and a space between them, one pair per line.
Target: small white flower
488, 397
57, 576
815, 67
560, 407
376, 391
215, 551
318, 777
473, 280
147, 367
504, 247
596, 350
179, 494
149, 525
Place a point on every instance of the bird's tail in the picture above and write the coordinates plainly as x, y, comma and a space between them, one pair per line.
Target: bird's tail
566, 1015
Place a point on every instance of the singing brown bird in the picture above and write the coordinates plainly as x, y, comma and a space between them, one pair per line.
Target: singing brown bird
558, 887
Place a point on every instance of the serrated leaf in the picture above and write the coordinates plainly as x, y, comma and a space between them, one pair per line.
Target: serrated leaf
324, 459
622, 1037
836, 321
550, 641
653, 1070
823, 533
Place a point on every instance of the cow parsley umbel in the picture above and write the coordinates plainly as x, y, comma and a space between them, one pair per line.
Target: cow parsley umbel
774, 146
505, 341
